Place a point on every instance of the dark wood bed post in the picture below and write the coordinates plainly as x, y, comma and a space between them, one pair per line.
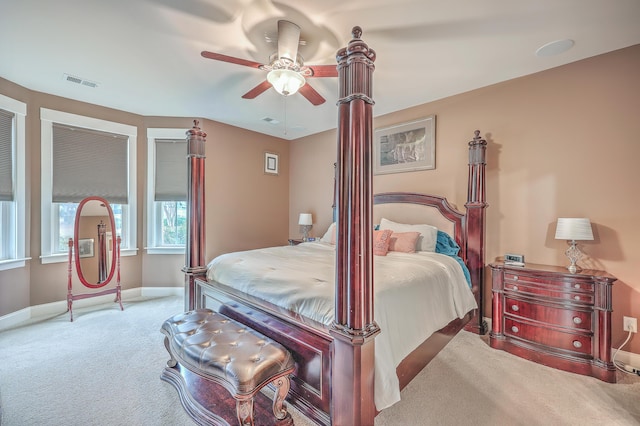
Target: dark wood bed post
354, 329
195, 264
475, 223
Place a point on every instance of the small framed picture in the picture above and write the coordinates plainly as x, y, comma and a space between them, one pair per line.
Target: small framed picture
85, 247
270, 163
405, 147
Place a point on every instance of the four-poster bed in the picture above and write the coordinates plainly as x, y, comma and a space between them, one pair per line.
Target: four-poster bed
334, 378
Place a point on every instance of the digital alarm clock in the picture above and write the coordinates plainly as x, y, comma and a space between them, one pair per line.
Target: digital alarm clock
514, 259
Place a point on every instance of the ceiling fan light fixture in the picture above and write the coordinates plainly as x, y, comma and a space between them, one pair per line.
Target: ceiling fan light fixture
286, 82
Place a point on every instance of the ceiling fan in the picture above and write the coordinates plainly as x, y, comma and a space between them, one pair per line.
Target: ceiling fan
287, 73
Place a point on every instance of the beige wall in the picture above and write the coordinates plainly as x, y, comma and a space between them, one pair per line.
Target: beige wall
245, 208
561, 143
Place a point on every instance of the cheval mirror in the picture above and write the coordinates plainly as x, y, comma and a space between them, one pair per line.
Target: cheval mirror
94, 251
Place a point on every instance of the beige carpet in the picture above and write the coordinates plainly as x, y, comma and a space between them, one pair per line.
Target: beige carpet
497, 388
104, 369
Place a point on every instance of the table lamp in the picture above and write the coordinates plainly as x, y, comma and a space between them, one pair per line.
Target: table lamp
306, 222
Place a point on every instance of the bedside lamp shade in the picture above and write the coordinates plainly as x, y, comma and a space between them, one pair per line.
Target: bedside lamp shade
305, 219
573, 229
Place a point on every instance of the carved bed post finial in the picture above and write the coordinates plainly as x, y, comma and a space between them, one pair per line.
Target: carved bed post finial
195, 263
476, 205
354, 328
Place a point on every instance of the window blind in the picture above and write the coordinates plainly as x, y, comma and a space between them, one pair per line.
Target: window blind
171, 170
6, 155
89, 163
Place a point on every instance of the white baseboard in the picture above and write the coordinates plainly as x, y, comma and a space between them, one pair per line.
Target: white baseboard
628, 358
51, 309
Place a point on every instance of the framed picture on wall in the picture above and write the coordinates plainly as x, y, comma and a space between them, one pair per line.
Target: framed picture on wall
270, 163
405, 147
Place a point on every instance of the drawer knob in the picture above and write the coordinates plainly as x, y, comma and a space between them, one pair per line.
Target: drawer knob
577, 320
576, 285
515, 329
577, 344
515, 278
515, 288
576, 297
515, 308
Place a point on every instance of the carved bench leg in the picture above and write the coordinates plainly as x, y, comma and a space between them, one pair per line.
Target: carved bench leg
244, 409
172, 361
282, 389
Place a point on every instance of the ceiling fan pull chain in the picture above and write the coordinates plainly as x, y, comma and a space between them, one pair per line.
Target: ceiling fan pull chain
285, 114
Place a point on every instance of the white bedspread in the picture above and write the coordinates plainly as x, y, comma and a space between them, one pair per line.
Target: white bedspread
416, 294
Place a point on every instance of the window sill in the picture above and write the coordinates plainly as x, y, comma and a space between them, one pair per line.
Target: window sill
165, 250
54, 258
13, 263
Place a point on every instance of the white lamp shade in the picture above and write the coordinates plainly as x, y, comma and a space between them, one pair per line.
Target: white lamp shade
305, 219
285, 81
574, 228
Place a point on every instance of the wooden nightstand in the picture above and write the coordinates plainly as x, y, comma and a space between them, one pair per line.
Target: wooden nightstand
294, 242
550, 316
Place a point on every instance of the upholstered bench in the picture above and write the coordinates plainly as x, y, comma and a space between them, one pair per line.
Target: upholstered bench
227, 353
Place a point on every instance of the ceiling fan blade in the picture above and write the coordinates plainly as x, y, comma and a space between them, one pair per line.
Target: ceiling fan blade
312, 96
288, 40
258, 90
323, 70
231, 59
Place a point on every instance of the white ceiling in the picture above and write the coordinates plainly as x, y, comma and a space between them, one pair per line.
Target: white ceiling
145, 54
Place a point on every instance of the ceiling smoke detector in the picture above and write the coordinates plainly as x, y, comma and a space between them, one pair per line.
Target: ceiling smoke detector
555, 48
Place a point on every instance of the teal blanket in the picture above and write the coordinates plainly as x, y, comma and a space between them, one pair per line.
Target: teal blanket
447, 245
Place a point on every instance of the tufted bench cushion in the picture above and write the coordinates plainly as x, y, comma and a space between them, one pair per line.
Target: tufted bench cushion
231, 354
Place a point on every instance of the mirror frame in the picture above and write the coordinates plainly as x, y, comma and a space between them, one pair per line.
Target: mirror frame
76, 254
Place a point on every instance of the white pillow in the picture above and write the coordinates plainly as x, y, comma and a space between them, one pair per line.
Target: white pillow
329, 236
428, 234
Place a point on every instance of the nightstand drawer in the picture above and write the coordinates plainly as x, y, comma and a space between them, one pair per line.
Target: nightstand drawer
548, 337
561, 317
551, 291
560, 284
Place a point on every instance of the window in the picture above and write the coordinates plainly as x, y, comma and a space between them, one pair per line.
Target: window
12, 183
166, 191
84, 156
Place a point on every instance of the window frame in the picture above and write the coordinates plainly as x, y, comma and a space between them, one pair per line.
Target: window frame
19, 217
154, 211
48, 213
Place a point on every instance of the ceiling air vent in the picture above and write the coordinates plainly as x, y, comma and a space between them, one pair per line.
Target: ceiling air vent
271, 120
77, 80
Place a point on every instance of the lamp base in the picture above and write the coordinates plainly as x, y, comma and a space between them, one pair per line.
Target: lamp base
574, 268
305, 231
574, 254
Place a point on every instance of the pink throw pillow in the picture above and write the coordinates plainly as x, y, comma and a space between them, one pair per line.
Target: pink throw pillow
381, 240
404, 242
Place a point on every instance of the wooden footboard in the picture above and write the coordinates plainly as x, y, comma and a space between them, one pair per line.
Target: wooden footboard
308, 341
310, 344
